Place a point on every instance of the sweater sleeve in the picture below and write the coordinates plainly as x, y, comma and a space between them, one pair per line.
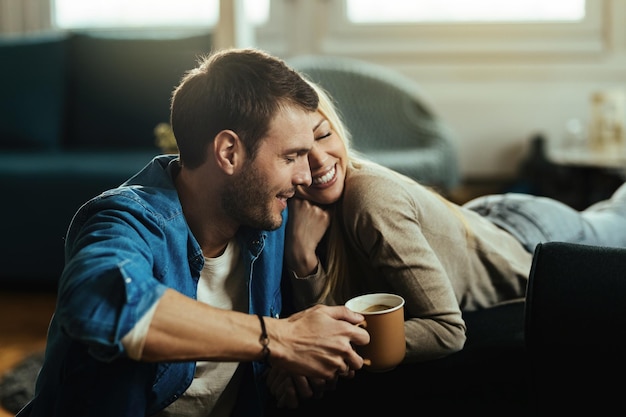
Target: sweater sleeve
385, 228
306, 291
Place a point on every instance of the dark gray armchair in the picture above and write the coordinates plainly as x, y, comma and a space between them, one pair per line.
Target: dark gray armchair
388, 117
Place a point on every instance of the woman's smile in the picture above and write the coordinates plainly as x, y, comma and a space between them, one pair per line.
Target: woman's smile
326, 179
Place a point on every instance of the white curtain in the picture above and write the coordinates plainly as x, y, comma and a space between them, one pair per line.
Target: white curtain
24, 16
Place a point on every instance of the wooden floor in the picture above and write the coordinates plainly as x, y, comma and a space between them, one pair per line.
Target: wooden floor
24, 318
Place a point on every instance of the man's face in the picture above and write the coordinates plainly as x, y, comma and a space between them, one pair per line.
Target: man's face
259, 191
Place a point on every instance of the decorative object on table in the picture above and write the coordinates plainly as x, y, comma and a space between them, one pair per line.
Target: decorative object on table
165, 139
608, 120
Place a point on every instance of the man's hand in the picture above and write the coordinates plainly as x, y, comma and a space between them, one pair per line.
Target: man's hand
317, 342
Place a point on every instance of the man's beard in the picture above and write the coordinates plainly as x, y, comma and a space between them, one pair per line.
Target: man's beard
249, 201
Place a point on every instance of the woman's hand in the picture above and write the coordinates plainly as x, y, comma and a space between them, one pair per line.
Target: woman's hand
289, 389
306, 227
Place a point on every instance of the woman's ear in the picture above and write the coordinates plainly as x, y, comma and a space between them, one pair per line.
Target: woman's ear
227, 150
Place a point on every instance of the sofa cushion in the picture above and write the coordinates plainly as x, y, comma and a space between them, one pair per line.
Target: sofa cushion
121, 86
33, 85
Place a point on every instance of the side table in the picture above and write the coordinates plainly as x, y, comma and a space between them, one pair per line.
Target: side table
588, 175
577, 177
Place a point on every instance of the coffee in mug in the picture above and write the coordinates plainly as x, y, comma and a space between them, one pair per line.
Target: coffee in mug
377, 307
384, 321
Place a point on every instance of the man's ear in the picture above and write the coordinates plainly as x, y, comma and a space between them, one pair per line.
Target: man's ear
228, 150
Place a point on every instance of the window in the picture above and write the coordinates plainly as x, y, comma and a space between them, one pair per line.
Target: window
452, 30
73, 14
368, 11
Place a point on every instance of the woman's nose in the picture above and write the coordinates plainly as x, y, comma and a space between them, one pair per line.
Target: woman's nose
302, 175
317, 158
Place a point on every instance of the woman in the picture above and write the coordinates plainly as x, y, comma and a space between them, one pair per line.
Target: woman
363, 228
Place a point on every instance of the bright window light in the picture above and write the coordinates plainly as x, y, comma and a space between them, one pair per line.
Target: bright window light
369, 11
70, 14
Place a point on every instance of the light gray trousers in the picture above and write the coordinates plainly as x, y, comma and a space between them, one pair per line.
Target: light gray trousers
532, 219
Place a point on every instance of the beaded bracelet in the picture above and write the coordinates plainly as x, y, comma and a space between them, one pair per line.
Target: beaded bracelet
264, 340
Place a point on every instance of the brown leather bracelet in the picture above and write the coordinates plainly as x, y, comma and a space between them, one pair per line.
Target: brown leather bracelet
264, 340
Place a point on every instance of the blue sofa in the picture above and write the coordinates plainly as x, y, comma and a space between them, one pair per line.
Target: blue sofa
77, 116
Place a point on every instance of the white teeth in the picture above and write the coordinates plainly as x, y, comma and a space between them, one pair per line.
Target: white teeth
326, 177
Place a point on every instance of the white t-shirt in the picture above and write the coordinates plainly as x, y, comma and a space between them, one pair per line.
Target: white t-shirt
213, 390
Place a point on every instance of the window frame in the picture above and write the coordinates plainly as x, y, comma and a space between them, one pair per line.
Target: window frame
339, 36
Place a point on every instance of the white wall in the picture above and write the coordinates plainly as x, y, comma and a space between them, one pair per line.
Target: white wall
495, 118
497, 86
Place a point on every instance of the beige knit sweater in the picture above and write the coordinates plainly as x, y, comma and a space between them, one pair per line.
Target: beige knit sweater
443, 259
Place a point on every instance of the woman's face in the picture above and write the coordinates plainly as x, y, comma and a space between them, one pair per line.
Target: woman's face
328, 160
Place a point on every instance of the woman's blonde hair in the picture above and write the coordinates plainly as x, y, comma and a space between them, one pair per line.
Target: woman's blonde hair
336, 256
336, 289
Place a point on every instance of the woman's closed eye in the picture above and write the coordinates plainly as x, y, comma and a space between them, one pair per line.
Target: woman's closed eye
323, 131
324, 136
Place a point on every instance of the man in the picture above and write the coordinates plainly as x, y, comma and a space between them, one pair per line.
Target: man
169, 301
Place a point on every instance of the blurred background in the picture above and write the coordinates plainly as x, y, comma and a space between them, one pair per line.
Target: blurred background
499, 72
531, 94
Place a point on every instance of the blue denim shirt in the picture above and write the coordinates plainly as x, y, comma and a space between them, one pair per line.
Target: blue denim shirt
124, 248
